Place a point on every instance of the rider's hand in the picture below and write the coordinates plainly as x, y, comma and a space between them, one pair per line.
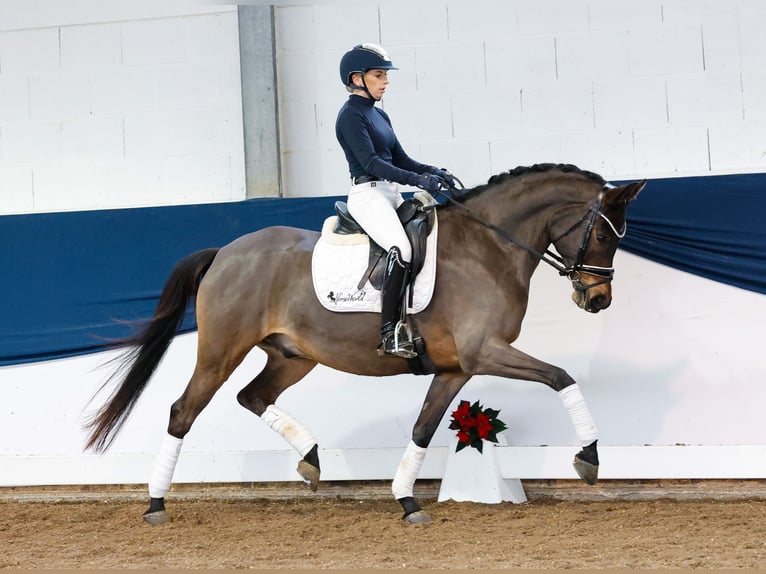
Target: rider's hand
446, 176
428, 181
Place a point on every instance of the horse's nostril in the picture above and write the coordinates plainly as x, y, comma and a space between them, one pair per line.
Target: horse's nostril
600, 302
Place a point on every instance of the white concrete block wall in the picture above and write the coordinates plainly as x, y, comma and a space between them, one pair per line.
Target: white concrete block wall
603, 84
629, 88
118, 106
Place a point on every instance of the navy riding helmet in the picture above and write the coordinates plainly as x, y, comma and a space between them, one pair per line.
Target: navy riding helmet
361, 58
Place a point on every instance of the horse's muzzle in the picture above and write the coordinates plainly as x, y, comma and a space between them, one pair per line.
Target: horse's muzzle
591, 297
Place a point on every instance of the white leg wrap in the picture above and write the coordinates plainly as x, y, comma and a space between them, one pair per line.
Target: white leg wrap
289, 429
159, 481
408, 471
583, 423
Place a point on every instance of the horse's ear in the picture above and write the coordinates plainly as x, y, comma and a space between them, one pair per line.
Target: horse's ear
625, 193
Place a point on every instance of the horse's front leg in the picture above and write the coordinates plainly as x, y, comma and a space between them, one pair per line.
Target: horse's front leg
500, 359
440, 393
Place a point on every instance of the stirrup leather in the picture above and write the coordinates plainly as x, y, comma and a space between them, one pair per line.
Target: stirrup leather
398, 342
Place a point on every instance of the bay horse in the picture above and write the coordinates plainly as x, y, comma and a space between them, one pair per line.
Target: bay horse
258, 291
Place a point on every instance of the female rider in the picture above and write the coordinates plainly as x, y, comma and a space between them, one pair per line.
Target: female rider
377, 163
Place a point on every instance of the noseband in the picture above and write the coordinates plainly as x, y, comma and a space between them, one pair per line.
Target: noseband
574, 271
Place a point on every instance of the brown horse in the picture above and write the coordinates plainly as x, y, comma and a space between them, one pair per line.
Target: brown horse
257, 291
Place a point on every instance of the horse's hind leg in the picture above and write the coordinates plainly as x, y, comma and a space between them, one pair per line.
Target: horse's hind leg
260, 395
440, 393
203, 385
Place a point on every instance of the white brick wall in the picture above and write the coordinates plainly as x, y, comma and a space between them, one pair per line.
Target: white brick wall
628, 88
118, 106
139, 103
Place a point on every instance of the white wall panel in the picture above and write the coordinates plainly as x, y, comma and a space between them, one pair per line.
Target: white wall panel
563, 106
754, 94
738, 147
721, 46
671, 150
84, 183
608, 152
630, 102
752, 42
487, 113
704, 98
123, 90
93, 137
153, 42
14, 98
78, 43
547, 16
203, 178
27, 143
420, 116
295, 29
59, 96
524, 60
98, 88
342, 29
600, 54
30, 52
16, 189
403, 22
625, 14
450, 66
665, 50
482, 20
682, 12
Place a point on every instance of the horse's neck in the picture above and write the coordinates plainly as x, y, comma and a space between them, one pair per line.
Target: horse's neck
521, 211
525, 212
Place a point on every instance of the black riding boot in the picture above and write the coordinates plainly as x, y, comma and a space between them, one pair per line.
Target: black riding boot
394, 285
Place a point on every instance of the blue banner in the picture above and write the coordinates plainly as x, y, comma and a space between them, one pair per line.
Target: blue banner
71, 280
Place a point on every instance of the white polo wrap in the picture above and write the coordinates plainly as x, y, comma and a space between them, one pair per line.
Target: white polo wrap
289, 429
408, 471
583, 423
164, 465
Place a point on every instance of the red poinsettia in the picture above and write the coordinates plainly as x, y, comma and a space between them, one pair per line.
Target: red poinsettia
474, 425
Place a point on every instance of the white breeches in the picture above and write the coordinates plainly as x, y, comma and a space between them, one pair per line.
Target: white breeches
373, 205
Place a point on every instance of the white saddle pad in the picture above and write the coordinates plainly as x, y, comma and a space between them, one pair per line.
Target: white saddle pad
339, 262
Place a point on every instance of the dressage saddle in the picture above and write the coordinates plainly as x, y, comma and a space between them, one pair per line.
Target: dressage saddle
417, 220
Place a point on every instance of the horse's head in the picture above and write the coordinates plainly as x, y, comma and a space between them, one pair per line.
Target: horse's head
588, 244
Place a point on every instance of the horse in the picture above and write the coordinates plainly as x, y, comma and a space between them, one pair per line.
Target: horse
257, 291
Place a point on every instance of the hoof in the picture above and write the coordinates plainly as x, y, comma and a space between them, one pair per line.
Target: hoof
156, 518
418, 517
585, 470
310, 475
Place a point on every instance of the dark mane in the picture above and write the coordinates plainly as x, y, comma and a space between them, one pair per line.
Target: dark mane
523, 170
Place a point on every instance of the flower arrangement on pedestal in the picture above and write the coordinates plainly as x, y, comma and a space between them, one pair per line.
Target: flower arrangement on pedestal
475, 424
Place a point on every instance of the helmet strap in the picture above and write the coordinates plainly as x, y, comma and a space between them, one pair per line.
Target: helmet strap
364, 88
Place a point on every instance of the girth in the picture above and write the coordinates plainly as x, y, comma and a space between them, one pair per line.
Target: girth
417, 220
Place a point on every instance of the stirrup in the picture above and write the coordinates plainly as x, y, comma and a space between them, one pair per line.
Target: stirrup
402, 346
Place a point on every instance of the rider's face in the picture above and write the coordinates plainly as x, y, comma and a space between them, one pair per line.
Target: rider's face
376, 81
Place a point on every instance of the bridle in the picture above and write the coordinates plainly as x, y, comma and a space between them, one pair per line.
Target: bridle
573, 271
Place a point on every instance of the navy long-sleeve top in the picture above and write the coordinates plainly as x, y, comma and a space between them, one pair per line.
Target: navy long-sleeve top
367, 137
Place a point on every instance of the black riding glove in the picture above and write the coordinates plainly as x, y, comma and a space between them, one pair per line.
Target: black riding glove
446, 176
427, 181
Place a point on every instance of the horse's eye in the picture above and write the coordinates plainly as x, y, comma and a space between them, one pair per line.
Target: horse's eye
600, 237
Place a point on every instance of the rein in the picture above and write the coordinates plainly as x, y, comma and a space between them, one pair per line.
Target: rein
551, 258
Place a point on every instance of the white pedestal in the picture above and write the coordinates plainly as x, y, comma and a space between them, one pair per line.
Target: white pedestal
475, 477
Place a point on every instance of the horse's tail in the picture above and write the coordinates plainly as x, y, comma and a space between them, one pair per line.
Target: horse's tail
147, 348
